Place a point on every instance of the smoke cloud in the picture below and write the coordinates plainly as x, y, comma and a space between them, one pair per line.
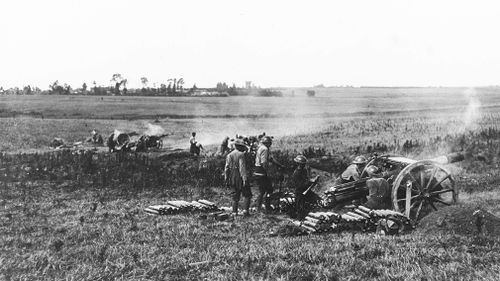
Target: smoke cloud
154, 130
472, 112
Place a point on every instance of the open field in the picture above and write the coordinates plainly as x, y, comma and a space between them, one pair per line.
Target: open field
70, 215
32, 121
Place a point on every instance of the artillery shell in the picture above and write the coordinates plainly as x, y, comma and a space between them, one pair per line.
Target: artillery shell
175, 204
157, 207
151, 211
364, 209
308, 228
355, 215
349, 218
198, 205
316, 216
311, 219
208, 203
361, 213
310, 224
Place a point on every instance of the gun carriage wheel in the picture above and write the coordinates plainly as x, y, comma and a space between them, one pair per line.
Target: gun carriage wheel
422, 187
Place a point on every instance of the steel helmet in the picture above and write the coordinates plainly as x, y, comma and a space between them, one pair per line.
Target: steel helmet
240, 142
301, 159
267, 139
372, 170
360, 160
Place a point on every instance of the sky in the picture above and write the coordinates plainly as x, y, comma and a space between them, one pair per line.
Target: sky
271, 43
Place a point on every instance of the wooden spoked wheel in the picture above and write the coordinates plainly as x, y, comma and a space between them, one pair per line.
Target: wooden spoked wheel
423, 187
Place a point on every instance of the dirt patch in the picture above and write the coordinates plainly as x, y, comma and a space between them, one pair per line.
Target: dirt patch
460, 219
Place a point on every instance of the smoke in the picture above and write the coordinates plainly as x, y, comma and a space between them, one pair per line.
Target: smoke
154, 130
472, 112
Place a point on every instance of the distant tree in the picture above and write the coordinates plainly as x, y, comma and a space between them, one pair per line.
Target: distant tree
194, 87
174, 86
56, 89
163, 88
84, 87
180, 84
221, 87
169, 88
118, 80
67, 89
144, 82
124, 83
27, 90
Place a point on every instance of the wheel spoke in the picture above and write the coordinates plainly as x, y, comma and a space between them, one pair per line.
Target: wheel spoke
439, 182
415, 181
434, 171
432, 205
419, 209
442, 191
422, 179
415, 203
413, 197
440, 201
412, 187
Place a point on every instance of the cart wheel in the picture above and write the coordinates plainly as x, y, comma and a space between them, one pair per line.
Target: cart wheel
421, 188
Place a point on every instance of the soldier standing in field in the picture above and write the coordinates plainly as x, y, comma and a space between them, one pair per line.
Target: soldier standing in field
300, 183
236, 177
224, 146
263, 160
192, 144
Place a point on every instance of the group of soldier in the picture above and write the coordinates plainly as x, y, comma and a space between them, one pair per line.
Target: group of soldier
236, 174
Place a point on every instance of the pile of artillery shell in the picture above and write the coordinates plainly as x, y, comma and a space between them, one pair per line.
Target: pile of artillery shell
180, 206
317, 222
359, 218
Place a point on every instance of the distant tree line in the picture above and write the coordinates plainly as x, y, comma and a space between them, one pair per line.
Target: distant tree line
118, 87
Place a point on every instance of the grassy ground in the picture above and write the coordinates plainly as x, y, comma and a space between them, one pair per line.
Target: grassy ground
105, 235
58, 227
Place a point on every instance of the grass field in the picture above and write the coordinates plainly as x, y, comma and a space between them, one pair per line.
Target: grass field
73, 117
80, 221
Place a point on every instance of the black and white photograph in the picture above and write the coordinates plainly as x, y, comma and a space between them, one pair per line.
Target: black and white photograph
249, 140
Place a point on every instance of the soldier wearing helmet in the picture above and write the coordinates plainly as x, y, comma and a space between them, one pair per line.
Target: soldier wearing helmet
353, 172
300, 183
379, 190
263, 161
236, 176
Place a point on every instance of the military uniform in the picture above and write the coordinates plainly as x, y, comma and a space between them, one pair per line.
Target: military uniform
379, 196
352, 173
235, 172
192, 145
300, 182
262, 162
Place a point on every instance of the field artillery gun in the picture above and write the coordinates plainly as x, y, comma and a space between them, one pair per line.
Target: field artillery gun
418, 186
119, 141
146, 142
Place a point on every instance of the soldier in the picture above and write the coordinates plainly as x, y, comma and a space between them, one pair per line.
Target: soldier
300, 183
263, 160
192, 143
96, 137
379, 190
236, 177
353, 172
224, 146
